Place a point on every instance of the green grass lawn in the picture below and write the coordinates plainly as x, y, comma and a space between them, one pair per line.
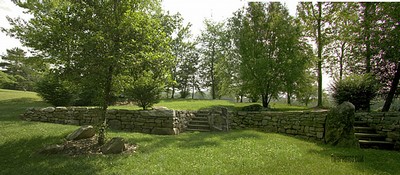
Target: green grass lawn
189, 104
236, 152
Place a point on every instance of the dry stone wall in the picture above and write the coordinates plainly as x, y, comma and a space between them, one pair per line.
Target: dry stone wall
308, 125
153, 121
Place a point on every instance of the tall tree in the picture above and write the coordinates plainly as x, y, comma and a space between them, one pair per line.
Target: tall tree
210, 54
96, 41
315, 19
23, 70
339, 52
267, 51
183, 51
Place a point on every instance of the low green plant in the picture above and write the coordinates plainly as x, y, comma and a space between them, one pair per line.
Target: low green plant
357, 89
145, 91
54, 91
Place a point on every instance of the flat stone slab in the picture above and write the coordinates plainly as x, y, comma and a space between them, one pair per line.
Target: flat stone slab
83, 132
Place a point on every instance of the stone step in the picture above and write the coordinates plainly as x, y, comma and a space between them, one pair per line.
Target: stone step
369, 136
361, 123
376, 144
364, 129
200, 130
198, 122
199, 118
193, 126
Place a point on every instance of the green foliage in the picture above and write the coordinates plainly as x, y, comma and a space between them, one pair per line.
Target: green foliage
254, 107
146, 91
54, 91
20, 72
306, 91
270, 50
211, 52
357, 89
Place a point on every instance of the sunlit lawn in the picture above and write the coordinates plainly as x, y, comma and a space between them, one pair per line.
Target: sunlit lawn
236, 152
189, 104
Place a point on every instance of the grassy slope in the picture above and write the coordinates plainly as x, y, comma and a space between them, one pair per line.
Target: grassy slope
236, 152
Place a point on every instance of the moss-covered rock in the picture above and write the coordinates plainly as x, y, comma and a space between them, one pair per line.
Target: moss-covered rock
339, 129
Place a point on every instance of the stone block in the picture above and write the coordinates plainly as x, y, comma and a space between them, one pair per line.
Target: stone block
114, 124
83, 132
115, 146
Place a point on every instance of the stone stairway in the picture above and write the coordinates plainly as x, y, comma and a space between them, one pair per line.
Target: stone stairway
368, 138
199, 123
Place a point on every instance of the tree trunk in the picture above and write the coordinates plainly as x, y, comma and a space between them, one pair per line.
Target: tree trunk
173, 91
265, 100
393, 89
213, 94
106, 100
341, 61
289, 101
367, 37
319, 42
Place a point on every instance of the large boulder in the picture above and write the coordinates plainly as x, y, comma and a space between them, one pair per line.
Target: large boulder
115, 146
83, 132
339, 126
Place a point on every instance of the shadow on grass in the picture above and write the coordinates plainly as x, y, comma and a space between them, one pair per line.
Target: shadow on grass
189, 140
369, 160
21, 157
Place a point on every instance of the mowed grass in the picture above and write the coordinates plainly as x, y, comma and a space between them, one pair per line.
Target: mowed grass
236, 152
194, 104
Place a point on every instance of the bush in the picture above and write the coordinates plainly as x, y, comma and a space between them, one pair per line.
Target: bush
145, 92
253, 107
357, 89
54, 91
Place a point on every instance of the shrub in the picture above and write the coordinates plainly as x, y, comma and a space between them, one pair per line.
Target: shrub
253, 107
357, 89
53, 91
145, 92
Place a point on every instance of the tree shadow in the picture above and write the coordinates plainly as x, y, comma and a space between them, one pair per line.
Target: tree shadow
21, 157
188, 140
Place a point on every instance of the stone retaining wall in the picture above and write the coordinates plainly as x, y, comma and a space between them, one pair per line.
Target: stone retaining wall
386, 124
308, 125
153, 121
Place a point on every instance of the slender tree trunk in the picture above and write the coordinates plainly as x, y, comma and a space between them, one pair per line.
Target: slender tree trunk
319, 42
392, 90
241, 98
193, 81
341, 60
289, 101
213, 94
173, 91
367, 37
265, 100
106, 100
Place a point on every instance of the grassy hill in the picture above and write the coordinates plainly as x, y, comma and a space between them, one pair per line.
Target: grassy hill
237, 152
